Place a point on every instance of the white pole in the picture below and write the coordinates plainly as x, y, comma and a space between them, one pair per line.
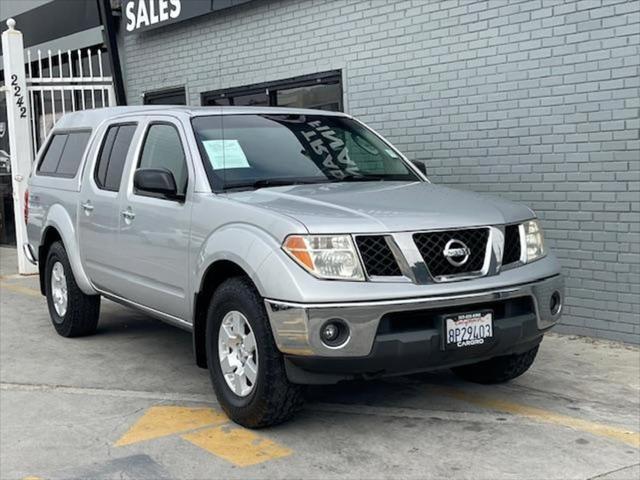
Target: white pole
19, 135
112, 95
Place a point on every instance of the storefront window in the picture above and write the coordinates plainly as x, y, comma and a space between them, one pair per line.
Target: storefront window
321, 97
251, 100
173, 96
321, 91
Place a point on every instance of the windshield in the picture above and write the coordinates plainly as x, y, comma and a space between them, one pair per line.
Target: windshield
253, 151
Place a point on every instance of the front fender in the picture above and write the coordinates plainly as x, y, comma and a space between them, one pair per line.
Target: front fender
251, 249
58, 218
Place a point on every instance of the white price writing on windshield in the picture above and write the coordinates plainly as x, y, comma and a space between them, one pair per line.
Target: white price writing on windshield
318, 138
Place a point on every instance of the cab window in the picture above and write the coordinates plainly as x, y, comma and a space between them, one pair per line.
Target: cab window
163, 149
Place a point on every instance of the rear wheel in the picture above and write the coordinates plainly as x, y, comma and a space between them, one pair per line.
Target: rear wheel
247, 370
498, 369
72, 312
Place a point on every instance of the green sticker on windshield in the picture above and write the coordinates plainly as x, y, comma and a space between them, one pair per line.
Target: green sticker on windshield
225, 154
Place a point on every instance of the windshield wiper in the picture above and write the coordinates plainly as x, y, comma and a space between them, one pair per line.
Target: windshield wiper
364, 178
272, 182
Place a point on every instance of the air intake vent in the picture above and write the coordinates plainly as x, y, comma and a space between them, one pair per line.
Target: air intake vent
511, 244
453, 252
377, 257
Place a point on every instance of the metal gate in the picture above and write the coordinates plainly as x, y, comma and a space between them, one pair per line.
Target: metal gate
41, 87
64, 82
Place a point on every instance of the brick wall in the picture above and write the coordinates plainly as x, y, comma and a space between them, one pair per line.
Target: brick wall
536, 101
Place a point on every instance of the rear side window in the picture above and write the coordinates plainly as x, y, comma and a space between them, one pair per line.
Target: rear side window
113, 156
49, 163
64, 154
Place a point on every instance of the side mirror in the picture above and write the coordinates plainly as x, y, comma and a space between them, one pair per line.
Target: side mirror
420, 165
158, 181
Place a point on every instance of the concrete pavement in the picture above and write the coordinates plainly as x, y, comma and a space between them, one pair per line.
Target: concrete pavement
129, 402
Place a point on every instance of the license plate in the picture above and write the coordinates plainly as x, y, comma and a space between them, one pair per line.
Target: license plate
466, 329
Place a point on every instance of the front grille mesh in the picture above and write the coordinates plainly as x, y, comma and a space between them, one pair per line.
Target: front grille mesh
432, 245
511, 244
377, 257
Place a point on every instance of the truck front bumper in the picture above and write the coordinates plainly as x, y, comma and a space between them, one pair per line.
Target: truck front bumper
404, 335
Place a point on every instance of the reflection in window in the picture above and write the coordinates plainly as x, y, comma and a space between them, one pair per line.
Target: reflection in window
113, 156
251, 100
174, 96
219, 102
320, 97
64, 154
163, 149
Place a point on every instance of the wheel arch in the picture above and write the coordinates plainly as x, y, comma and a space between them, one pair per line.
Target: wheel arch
237, 249
50, 235
214, 276
59, 221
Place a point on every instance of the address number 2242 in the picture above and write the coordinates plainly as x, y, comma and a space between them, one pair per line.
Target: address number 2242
19, 95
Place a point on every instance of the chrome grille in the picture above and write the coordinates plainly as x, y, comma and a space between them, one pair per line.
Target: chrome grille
432, 248
511, 244
377, 257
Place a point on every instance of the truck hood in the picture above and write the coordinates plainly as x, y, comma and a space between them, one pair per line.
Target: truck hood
352, 207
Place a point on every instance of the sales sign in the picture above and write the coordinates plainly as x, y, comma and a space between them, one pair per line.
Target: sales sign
141, 15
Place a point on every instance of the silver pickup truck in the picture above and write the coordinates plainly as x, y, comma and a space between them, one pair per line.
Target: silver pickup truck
299, 247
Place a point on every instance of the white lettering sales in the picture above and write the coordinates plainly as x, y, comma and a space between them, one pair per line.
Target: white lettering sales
150, 12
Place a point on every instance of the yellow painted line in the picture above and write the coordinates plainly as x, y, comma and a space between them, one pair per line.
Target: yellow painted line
237, 445
207, 429
162, 421
20, 289
614, 433
32, 478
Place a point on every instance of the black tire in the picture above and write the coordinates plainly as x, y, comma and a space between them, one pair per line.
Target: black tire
498, 369
83, 311
273, 399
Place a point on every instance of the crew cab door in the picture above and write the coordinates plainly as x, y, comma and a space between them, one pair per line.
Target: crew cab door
155, 230
99, 208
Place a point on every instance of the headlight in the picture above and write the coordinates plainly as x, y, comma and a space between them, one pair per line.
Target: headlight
533, 241
325, 256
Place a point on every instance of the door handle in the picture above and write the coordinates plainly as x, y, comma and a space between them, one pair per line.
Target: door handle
128, 214
87, 207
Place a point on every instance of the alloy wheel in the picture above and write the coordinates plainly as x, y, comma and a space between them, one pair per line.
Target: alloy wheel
59, 289
237, 353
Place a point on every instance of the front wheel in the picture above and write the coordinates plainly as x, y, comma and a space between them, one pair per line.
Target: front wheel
72, 312
247, 370
498, 369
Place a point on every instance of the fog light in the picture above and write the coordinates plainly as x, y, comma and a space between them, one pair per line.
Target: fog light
334, 333
555, 304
